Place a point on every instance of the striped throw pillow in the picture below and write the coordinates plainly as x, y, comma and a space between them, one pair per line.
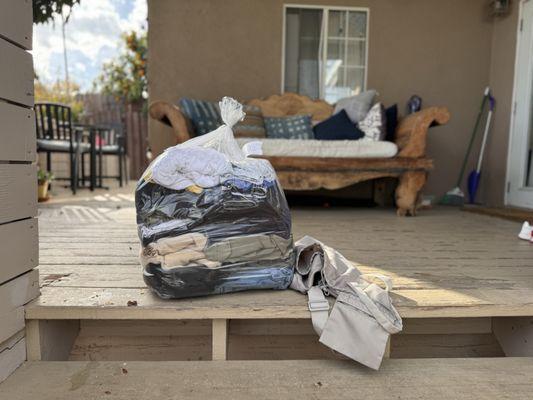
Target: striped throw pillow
253, 124
204, 115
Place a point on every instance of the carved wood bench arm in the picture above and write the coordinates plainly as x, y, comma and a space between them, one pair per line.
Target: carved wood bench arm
171, 115
412, 130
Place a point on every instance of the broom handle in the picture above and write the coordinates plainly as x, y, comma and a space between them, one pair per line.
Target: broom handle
476, 126
485, 134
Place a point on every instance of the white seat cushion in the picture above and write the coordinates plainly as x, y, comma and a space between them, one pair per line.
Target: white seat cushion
325, 148
60, 146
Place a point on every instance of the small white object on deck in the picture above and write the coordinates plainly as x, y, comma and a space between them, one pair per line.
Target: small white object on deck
526, 233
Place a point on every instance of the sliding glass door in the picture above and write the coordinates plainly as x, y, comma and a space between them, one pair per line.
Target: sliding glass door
520, 172
325, 51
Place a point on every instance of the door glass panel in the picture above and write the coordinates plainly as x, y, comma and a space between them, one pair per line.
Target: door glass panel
336, 50
356, 53
335, 84
337, 24
302, 50
357, 24
355, 79
519, 191
346, 54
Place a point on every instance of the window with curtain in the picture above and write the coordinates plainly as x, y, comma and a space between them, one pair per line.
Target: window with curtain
325, 51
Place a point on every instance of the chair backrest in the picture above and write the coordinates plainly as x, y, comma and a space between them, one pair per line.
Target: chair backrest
110, 133
53, 121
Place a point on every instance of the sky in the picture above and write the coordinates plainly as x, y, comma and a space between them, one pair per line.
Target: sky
93, 38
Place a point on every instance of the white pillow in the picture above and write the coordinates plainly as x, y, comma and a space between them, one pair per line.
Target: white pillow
373, 125
356, 106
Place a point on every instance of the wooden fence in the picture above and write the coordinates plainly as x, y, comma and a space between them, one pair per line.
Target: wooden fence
131, 118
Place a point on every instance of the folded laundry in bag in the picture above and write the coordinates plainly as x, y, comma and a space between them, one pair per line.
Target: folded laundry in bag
211, 220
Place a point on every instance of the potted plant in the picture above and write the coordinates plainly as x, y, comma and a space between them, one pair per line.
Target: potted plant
43, 181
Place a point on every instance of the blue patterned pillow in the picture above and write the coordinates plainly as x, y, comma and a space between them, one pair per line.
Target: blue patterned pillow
204, 115
292, 127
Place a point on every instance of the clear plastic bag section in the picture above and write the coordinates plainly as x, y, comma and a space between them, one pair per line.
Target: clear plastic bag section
211, 221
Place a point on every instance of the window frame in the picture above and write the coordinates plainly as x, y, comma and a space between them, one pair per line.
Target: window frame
325, 10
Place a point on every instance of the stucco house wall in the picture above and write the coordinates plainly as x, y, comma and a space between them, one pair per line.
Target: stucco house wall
444, 51
502, 63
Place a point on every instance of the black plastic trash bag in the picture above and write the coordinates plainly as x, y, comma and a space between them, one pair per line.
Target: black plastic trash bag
211, 220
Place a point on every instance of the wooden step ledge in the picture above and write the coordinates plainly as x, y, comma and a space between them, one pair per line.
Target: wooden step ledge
136, 303
459, 379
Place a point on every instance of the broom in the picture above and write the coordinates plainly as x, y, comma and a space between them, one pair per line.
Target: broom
475, 175
455, 196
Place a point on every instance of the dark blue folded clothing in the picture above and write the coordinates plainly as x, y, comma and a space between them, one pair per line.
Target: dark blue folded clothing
182, 282
219, 212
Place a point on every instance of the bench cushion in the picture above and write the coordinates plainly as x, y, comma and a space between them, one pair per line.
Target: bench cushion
110, 149
60, 146
326, 148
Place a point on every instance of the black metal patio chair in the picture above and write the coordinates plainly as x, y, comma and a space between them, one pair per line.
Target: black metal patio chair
57, 134
110, 140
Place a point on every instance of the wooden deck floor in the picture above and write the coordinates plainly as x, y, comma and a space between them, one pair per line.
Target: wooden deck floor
444, 262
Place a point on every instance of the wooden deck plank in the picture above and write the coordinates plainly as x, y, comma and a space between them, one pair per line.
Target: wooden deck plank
445, 263
438, 379
510, 213
106, 303
129, 276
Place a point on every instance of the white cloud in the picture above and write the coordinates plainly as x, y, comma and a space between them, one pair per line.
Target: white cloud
137, 17
80, 66
93, 37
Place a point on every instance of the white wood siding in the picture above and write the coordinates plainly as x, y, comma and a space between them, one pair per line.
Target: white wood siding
16, 74
19, 291
12, 322
19, 250
18, 188
17, 131
19, 247
13, 296
16, 22
12, 354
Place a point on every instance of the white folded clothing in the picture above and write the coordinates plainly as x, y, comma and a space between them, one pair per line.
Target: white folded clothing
180, 167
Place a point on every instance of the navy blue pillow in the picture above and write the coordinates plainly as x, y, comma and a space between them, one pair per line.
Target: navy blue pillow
338, 127
391, 115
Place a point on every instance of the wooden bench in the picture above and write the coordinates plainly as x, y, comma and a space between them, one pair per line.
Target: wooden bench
436, 379
410, 165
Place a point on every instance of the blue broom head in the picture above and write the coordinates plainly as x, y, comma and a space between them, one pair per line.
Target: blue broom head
473, 184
